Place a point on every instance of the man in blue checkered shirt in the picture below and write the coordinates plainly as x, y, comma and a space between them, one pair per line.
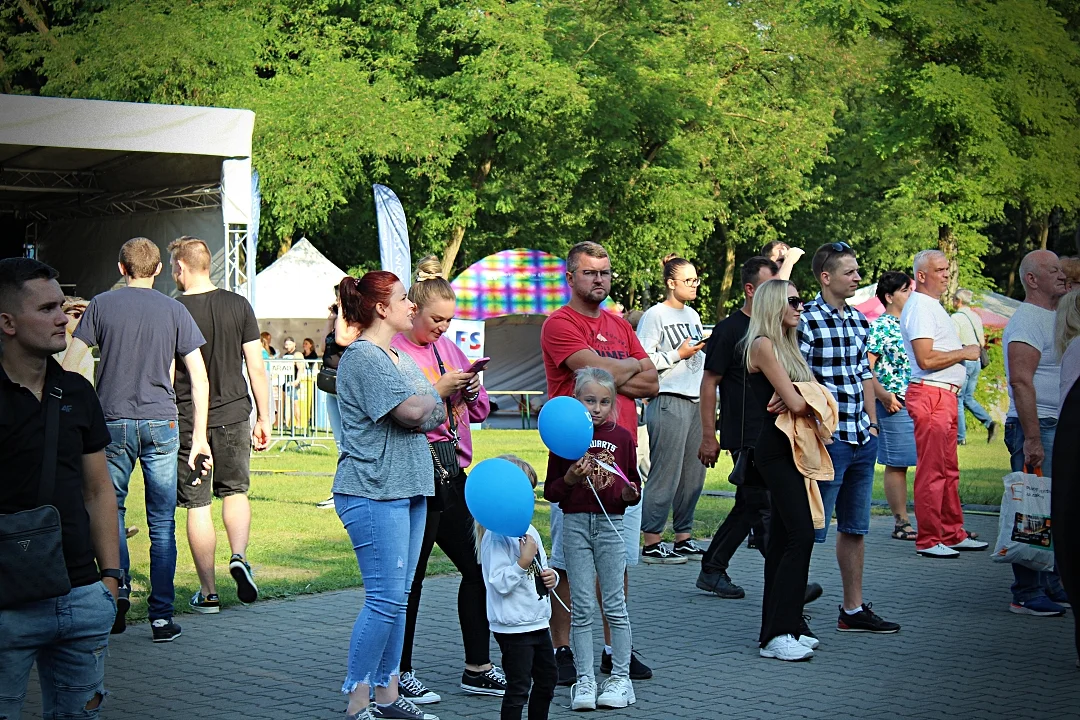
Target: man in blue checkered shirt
832, 336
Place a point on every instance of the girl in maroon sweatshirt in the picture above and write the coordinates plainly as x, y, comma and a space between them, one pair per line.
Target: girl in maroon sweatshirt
593, 496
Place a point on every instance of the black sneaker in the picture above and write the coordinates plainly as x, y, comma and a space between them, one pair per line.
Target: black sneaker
400, 709
488, 682
658, 554
123, 604
865, 621
246, 589
813, 592
689, 550
415, 691
720, 584
564, 661
165, 630
208, 604
638, 669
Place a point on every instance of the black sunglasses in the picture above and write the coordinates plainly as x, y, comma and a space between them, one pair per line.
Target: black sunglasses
795, 302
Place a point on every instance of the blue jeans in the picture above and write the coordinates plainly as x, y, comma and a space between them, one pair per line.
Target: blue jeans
967, 400
68, 637
386, 536
155, 445
851, 489
594, 551
1030, 584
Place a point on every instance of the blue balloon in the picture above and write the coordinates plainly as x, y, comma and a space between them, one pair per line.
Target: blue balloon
565, 427
500, 497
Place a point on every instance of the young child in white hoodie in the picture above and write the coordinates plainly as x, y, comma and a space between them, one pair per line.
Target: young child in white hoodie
518, 614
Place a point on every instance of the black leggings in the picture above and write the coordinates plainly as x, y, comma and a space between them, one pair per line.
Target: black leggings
791, 537
529, 661
454, 531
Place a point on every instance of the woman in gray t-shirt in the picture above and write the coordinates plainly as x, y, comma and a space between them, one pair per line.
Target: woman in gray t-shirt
384, 473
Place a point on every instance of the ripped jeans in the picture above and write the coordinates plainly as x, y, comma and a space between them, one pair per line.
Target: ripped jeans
68, 637
386, 536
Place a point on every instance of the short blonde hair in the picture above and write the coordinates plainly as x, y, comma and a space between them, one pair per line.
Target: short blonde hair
588, 247
192, 251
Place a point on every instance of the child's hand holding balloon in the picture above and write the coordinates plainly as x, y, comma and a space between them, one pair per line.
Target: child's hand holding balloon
550, 578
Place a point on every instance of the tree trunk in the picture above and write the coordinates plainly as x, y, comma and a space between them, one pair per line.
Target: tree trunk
38, 22
284, 245
947, 245
1042, 225
457, 233
1021, 249
728, 277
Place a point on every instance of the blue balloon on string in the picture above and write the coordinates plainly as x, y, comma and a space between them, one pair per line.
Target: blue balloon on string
500, 497
565, 427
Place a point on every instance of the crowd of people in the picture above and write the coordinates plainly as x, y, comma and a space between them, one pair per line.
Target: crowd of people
806, 394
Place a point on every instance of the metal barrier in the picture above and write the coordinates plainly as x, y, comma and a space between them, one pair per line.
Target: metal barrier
298, 411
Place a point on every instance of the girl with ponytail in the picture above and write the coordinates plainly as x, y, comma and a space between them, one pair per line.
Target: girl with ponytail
449, 522
383, 476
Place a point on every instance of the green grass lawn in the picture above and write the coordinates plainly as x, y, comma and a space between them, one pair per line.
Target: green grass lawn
298, 548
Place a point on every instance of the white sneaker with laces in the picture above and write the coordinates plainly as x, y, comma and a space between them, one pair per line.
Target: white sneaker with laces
583, 694
807, 641
938, 551
414, 690
970, 544
786, 647
616, 692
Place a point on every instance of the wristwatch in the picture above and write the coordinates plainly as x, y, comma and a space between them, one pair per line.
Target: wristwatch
875, 426
117, 575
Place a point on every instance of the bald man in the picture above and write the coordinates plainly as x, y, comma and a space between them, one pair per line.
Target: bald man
1032, 369
937, 376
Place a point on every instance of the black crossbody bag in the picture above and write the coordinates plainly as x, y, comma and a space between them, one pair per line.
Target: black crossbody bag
31, 541
444, 457
745, 473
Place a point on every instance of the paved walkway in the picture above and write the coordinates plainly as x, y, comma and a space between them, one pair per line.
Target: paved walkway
960, 654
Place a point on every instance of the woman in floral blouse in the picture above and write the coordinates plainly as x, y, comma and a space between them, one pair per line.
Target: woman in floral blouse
892, 371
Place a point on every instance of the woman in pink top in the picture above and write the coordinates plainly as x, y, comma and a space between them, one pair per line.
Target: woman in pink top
451, 526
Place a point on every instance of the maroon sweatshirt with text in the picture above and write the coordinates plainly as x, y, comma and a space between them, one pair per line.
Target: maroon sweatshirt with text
612, 444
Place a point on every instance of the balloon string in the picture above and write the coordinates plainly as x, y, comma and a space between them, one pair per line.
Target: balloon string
604, 510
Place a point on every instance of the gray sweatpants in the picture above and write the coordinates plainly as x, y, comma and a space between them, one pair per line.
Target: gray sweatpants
594, 551
676, 476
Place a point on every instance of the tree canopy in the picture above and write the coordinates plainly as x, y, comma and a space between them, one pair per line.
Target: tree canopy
695, 127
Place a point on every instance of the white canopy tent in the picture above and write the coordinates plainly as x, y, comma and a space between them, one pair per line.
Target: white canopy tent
83, 176
294, 293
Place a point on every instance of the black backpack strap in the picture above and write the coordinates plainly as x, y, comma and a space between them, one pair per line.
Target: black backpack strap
52, 436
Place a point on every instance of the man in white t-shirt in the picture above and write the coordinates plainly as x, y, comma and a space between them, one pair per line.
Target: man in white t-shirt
1033, 369
937, 376
970, 327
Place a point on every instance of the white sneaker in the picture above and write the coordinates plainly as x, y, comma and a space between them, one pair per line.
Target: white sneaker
415, 691
939, 551
616, 692
810, 642
786, 647
583, 694
970, 544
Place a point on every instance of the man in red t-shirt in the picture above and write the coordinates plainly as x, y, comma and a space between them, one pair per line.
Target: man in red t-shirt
579, 335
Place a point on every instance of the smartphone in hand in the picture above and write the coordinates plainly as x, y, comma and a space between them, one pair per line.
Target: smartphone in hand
478, 365
196, 476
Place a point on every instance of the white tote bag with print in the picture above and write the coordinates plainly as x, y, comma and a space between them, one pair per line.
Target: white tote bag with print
1024, 533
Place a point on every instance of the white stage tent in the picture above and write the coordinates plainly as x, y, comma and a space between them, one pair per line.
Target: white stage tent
80, 177
292, 295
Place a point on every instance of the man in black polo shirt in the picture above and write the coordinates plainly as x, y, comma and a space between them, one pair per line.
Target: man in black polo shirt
739, 427
67, 635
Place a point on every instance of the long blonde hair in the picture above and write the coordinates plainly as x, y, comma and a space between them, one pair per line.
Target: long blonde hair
1067, 323
766, 320
584, 376
478, 529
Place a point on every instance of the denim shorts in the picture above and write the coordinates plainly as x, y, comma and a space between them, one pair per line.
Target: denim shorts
896, 443
631, 534
850, 491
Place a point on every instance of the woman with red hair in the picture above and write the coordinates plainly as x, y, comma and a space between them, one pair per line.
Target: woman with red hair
384, 473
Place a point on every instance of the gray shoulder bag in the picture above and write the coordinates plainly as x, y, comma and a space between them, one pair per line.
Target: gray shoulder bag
31, 541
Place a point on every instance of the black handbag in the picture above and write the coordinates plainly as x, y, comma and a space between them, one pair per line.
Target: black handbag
984, 355
444, 458
744, 473
31, 541
326, 380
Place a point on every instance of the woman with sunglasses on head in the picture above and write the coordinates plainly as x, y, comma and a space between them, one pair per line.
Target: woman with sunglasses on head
671, 333
775, 364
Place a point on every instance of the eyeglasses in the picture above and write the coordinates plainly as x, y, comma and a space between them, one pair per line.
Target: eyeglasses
593, 274
795, 302
841, 247
690, 282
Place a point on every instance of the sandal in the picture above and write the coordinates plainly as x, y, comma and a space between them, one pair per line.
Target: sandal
972, 535
904, 531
